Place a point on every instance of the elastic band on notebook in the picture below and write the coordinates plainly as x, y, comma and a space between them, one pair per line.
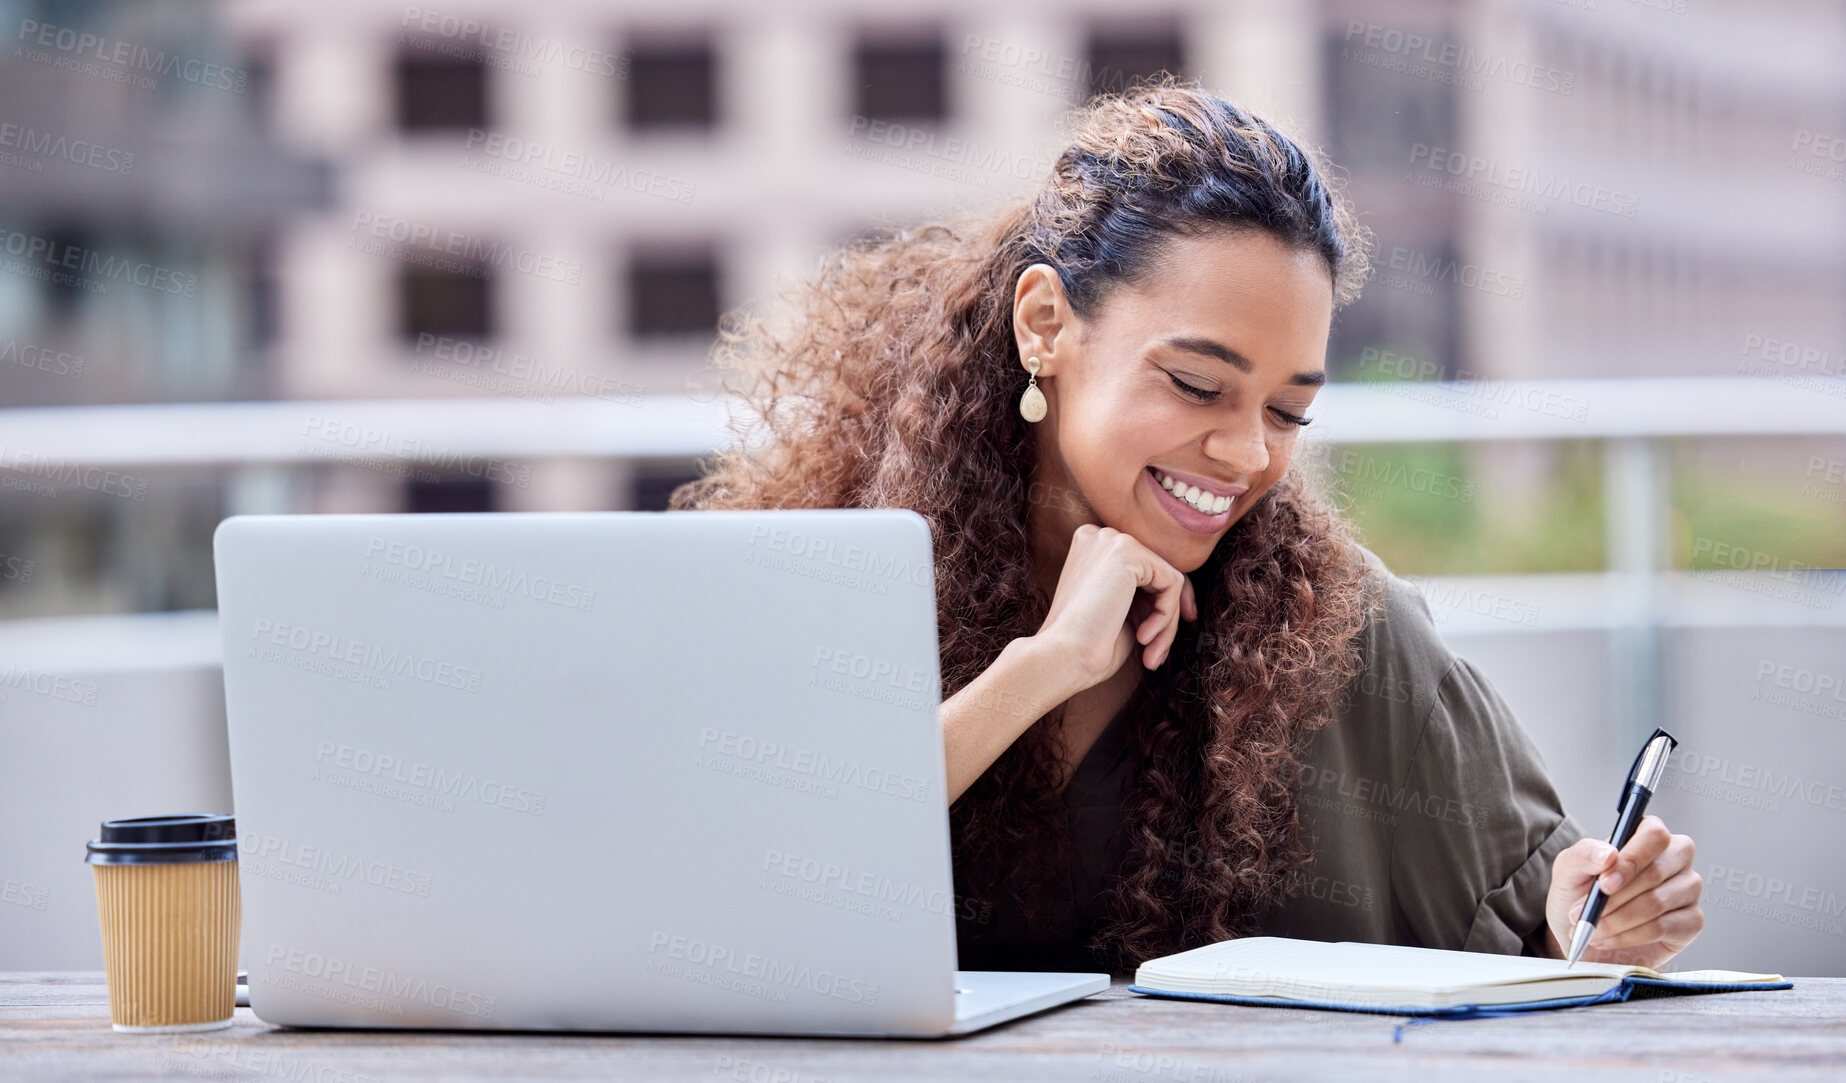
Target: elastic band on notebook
1478, 1011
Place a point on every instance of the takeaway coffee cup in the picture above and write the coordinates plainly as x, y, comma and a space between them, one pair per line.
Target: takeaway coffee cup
166, 890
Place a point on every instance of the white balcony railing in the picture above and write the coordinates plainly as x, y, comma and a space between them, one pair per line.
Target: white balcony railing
254, 439
236, 433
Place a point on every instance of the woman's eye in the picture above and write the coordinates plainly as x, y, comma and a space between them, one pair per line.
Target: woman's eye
1196, 392
1204, 395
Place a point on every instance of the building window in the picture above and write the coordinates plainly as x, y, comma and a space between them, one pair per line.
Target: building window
440, 93
264, 288
1119, 55
448, 492
901, 79
62, 293
259, 95
1374, 115
671, 85
672, 294
444, 302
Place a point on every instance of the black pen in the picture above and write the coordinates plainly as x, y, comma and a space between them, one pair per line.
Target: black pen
1643, 777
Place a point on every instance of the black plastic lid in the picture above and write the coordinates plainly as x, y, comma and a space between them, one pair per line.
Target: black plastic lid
165, 840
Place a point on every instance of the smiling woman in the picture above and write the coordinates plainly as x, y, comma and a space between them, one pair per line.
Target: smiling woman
1179, 397
1094, 400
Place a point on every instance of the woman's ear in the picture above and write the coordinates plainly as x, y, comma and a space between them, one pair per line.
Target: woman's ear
1042, 318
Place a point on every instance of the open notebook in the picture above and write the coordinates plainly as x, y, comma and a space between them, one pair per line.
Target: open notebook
1402, 980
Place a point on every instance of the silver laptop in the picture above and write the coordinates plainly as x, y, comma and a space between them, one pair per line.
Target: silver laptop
620, 771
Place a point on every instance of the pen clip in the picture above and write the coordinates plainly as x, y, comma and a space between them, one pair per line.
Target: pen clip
1634, 769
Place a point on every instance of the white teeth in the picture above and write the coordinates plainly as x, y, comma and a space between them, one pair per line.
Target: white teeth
1193, 495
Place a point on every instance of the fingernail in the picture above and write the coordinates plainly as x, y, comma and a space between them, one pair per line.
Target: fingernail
1612, 883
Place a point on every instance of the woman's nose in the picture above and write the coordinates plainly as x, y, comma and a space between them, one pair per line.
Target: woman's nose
1241, 449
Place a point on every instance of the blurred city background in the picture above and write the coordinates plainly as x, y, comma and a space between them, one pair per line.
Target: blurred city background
358, 256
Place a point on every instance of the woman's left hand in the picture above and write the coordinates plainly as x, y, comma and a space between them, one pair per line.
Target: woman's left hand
1653, 908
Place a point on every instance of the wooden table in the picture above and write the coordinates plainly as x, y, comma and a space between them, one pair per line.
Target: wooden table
55, 1026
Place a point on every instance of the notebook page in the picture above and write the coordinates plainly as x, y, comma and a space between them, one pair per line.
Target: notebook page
1717, 977
1309, 969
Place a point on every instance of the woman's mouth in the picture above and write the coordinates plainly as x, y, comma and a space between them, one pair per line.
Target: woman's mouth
1188, 504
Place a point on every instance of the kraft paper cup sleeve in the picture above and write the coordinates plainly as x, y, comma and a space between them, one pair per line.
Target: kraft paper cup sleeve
169, 906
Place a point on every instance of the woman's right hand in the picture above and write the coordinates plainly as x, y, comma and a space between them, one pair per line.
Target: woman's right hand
1113, 593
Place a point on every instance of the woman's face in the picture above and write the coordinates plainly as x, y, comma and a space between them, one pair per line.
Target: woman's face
1240, 317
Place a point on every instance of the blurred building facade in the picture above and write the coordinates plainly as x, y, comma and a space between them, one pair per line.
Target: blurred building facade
489, 198
490, 201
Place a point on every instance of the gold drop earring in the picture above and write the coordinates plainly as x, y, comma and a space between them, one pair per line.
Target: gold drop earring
1032, 403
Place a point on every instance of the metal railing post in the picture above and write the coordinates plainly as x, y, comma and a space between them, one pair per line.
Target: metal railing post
1635, 509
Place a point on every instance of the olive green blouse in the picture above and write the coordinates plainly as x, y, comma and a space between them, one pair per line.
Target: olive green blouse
1425, 803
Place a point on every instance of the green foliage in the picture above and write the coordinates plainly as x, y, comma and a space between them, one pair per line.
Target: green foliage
1431, 509
1793, 519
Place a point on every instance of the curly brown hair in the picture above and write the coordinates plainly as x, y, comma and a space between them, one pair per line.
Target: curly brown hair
895, 385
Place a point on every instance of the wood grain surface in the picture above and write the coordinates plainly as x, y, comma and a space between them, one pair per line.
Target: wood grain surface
55, 1026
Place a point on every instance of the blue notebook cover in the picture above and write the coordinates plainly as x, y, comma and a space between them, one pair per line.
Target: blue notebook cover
1627, 988
1354, 976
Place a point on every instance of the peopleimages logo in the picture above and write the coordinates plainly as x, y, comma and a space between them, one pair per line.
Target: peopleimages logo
1465, 65
346, 764
96, 479
344, 977
49, 145
23, 894
511, 43
873, 678
480, 573
1527, 180
1311, 781
1804, 681
369, 659
468, 249
349, 441
89, 267
1785, 902
1409, 375
773, 754
1353, 896
1694, 767
1447, 599
1420, 265
577, 165
855, 558
44, 359
128, 58
469, 362
875, 886
771, 972
977, 162
52, 685
1791, 356
339, 868
1368, 475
